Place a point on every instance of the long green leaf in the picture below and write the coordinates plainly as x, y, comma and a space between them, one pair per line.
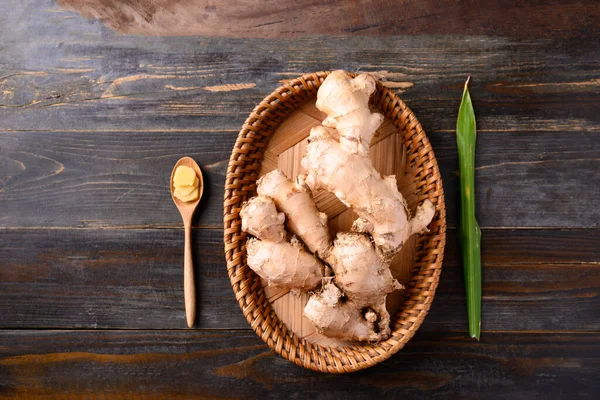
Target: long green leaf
468, 232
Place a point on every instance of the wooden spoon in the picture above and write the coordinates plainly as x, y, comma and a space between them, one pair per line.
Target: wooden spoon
186, 209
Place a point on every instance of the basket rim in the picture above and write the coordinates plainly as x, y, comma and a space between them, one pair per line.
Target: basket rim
242, 173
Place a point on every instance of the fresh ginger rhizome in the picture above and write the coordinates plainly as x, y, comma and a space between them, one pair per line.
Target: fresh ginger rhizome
349, 277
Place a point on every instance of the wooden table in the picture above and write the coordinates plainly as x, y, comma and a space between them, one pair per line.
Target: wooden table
92, 121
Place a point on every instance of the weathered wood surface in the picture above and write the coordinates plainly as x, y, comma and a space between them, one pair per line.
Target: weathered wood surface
113, 179
294, 18
92, 121
81, 76
126, 279
236, 364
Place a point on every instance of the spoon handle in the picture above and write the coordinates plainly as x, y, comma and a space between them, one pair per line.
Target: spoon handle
189, 288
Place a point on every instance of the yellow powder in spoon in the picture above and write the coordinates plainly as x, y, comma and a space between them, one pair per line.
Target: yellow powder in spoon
185, 182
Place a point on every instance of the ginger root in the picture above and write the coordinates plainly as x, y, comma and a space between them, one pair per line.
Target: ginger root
303, 218
261, 219
382, 209
363, 275
335, 316
351, 305
271, 256
345, 101
285, 264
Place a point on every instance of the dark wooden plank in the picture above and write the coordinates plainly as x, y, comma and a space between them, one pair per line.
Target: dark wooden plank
112, 279
525, 278
82, 278
536, 103
532, 281
110, 110
108, 179
222, 364
275, 19
531, 247
527, 179
183, 85
64, 73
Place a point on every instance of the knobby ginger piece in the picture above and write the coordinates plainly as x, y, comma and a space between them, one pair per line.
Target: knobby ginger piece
351, 304
346, 103
334, 316
279, 261
363, 275
260, 218
303, 218
344, 168
284, 264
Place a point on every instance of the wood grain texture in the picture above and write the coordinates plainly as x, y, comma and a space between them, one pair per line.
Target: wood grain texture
105, 81
92, 121
133, 279
121, 179
112, 279
275, 19
106, 179
81, 76
225, 364
90, 114
539, 293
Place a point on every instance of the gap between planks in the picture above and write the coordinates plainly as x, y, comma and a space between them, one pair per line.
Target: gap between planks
110, 228
591, 129
249, 330
166, 130
220, 227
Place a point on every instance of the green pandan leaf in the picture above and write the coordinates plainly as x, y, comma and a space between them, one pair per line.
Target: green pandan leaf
469, 232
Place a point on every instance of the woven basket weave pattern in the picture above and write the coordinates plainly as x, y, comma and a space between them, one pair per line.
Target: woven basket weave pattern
240, 184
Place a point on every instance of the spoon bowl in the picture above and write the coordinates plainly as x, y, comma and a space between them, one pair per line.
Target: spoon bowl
186, 209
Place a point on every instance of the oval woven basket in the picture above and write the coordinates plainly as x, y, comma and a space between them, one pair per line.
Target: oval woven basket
242, 173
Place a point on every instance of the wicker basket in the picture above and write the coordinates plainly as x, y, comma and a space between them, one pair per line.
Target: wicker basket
422, 280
